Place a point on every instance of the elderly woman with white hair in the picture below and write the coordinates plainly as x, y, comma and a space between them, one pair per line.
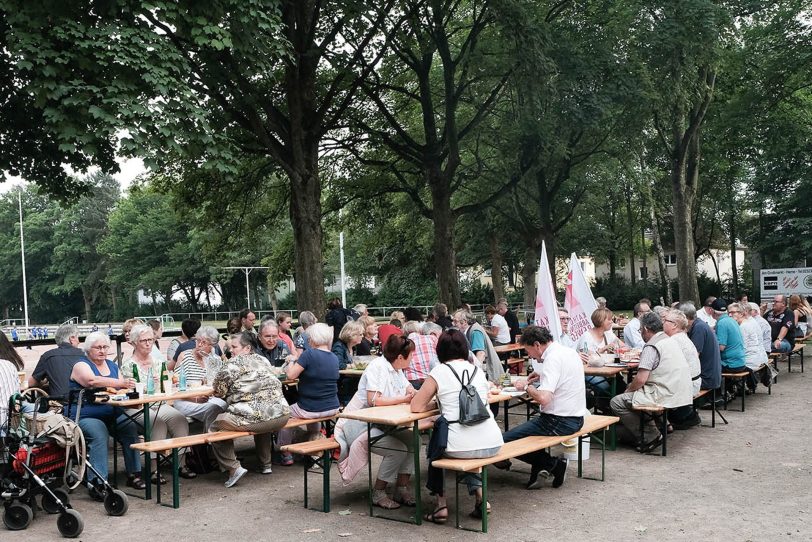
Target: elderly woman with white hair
201, 364
165, 421
97, 420
317, 371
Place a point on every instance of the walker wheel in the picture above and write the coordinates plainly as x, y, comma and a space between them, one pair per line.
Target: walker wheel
116, 503
17, 516
70, 523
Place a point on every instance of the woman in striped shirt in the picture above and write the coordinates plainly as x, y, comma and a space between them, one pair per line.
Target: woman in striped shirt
201, 364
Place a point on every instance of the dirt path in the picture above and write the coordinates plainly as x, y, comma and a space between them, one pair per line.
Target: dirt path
749, 480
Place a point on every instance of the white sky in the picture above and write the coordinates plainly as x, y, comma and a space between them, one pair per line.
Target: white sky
130, 169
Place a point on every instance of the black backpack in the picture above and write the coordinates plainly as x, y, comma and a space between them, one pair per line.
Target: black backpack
472, 409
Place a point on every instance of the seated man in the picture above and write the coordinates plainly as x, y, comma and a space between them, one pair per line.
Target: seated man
663, 378
270, 346
782, 324
710, 359
55, 366
560, 392
631, 332
189, 329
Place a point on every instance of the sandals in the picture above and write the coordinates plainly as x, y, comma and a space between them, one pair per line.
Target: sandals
157, 476
434, 518
187, 473
477, 512
382, 500
402, 496
134, 481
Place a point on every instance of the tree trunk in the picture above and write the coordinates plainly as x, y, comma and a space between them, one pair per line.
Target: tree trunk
496, 268
86, 297
529, 270
305, 216
445, 257
630, 225
684, 176
658, 247
733, 262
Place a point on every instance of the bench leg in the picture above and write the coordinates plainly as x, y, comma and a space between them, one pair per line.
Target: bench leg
724, 392
484, 499
665, 431
457, 477
713, 408
744, 391
175, 479
580, 459
305, 483
416, 442
325, 468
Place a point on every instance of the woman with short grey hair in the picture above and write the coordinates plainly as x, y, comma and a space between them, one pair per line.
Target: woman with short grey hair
201, 364
300, 338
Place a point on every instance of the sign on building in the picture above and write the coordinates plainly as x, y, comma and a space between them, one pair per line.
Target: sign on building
787, 281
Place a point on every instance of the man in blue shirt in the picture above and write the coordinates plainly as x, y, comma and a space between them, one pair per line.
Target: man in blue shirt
710, 359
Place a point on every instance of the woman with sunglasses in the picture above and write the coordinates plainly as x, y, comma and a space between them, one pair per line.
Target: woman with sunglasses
383, 383
97, 420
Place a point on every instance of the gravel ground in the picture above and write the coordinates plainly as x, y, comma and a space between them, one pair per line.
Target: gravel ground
747, 481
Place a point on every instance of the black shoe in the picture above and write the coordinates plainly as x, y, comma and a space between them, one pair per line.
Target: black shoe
693, 421
537, 478
503, 465
559, 472
95, 494
651, 445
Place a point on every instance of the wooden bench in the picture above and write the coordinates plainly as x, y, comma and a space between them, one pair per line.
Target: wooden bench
174, 444
516, 448
740, 376
323, 448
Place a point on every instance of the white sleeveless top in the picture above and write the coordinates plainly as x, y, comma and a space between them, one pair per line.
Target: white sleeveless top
461, 438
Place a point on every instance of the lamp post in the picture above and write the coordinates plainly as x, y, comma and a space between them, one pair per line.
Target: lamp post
22, 255
247, 270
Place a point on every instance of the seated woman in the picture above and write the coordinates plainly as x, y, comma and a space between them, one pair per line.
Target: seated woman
598, 340
317, 371
382, 383
201, 364
255, 403
300, 339
364, 348
10, 364
96, 420
349, 337
166, 421
464, 442
755, 358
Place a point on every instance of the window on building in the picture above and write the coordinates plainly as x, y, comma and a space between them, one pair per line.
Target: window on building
670, 259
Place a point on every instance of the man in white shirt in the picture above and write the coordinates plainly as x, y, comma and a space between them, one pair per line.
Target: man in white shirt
557, 385
631, 332
706, 313
499, 331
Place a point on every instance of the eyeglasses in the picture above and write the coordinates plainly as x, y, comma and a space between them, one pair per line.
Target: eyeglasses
669, 322
145, 341
734, 312
100, 348
564, 318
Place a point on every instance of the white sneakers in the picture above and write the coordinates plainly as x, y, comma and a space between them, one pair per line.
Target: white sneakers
234, 478
267, 469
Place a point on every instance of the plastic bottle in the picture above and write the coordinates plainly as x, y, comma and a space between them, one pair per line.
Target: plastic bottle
182, 379
150, 386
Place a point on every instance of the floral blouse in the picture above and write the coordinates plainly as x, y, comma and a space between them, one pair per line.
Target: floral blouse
252, 392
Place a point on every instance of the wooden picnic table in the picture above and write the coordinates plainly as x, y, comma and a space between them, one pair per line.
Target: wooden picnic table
505, 348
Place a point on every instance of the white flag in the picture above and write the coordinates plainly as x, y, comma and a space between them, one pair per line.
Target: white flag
546, 305
578, 301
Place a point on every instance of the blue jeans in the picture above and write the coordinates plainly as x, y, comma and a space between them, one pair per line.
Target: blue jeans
784, 348
97, 434
545, 425
599, 384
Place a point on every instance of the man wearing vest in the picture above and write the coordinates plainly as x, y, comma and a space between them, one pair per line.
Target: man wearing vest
663, 378
486, 357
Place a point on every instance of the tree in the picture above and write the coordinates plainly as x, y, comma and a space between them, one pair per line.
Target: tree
76, 265
208, 82
429, 95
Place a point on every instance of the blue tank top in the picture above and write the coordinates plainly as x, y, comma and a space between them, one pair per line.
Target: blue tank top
104, 412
